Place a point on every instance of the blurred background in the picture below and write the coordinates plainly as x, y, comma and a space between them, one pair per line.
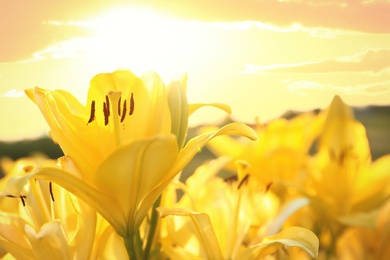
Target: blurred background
264, 58
376, 120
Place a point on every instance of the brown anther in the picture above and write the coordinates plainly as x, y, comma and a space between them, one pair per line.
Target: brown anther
92, 116
124, 111
28, 168
268, 186
108, 104
22, 197
106, 112
131, 104
119, 106
245, 179
51, 191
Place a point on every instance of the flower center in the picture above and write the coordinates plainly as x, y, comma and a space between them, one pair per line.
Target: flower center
115, 112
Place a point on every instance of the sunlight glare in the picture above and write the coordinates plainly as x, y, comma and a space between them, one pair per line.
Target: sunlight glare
140, 39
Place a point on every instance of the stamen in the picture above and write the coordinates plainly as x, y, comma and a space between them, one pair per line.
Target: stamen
106, 112
131, 104
23, 202
92, 116
22, 197
245, 179
108, 104
119, 106
124, 111
268, 186
28, 168
51, 191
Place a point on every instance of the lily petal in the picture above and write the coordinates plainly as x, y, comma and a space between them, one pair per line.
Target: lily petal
17, 251
198, 225
195, 144
293, 236
87, 193
194, 107
50, 242
178, 106
133, 170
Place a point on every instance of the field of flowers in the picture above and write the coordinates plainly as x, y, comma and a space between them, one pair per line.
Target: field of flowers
306, 187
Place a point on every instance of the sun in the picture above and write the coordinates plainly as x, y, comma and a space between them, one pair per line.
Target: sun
140, 39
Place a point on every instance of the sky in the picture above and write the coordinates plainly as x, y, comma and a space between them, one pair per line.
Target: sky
261, 57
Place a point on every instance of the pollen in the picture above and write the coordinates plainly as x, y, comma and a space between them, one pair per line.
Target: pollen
131, 104
121, 108
92, 115
124, 111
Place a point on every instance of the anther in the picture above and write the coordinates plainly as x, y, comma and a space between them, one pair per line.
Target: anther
28, 168
108, 104
245, 179
131, 104
92, 116
51, 191
124, 111
119, 106
22, 197
106, 112
268, 187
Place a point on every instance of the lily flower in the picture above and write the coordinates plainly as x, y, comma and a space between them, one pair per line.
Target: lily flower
347, 187
41, 220
122, 144
215, 219
279, 155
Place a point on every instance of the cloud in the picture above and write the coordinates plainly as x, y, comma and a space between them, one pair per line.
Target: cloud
369, 61
375, 89
25, 30
13, 93
356, 15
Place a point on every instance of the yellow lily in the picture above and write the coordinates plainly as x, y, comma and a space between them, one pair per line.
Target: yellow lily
215, 219
347, 187
279, 155
41, 220
120, 108
121, 146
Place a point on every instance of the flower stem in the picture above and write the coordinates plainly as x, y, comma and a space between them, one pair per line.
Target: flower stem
152, 229
129, 243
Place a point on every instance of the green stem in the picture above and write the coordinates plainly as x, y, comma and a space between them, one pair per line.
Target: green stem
335, 231
152, 229
129, 243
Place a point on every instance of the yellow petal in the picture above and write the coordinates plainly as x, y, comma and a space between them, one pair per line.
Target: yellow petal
293, 236
289, 208
69, 128
17, 251
159, 114
135, 169
372, 188
362, 219
198, 225
195, 144
50, 242
193, 107
107, 206
178, 106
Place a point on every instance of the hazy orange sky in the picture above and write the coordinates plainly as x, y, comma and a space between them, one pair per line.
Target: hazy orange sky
262, 57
